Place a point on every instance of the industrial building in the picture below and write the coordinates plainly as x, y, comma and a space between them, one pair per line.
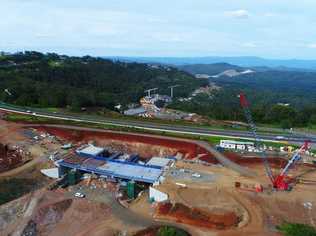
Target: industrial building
135, 111
97, 160
90, 151
159, 161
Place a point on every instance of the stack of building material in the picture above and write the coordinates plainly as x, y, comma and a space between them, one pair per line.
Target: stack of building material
73, 159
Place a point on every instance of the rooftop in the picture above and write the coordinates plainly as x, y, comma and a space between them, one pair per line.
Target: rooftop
113, 168
91, 150
158, 161
134, 172
135, 111
237, 142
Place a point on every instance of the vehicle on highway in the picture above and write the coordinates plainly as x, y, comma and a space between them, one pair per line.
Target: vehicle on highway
280, 138
196, 175
79, 195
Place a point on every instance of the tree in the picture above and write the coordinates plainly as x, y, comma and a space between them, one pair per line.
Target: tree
286, 124
290, 229
312, 119
170, 231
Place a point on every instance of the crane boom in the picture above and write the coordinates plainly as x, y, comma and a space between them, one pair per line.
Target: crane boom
278, 182
258, 142
296, 157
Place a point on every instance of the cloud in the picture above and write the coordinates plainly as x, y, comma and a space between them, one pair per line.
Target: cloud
249, 45
40, 35
238, 14
312, 45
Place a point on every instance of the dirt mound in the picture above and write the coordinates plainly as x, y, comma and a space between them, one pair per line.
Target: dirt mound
81, 218
283, 208
9, 158
218, 219
152, 231
47, 217
66, 216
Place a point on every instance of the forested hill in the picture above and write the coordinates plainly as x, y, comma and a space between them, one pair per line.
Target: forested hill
51, 80
277, 96
296, 88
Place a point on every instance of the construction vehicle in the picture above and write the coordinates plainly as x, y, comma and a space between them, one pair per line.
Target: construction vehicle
281, 181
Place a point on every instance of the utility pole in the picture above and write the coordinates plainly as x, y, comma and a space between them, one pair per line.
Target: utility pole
171, 89
148, 91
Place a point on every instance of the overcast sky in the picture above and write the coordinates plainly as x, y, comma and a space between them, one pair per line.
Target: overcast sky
266, 28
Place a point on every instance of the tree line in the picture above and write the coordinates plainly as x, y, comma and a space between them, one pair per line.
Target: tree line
224, 105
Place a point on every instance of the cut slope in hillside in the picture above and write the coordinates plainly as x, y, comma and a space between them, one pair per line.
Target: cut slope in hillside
210, 69
232, 73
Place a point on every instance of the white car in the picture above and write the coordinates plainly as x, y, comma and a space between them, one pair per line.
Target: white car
196, 175
79, 195
280, 137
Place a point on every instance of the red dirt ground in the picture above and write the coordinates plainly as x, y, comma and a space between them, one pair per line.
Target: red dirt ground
190, 150
147, 232
197, 217
275, 162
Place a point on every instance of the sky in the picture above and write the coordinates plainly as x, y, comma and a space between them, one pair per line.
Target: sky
283, 29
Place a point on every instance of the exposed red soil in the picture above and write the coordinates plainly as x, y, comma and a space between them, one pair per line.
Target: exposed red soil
219, 219
151, 145
147, 232
190, 150
275, 162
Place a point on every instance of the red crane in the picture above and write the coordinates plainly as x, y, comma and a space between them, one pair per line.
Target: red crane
279, 182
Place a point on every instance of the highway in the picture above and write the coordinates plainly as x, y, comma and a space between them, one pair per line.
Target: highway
181, 129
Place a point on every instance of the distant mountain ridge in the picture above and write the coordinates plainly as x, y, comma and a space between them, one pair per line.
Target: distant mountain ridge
246, 61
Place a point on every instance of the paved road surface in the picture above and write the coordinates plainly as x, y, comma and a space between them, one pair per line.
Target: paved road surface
293, 139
